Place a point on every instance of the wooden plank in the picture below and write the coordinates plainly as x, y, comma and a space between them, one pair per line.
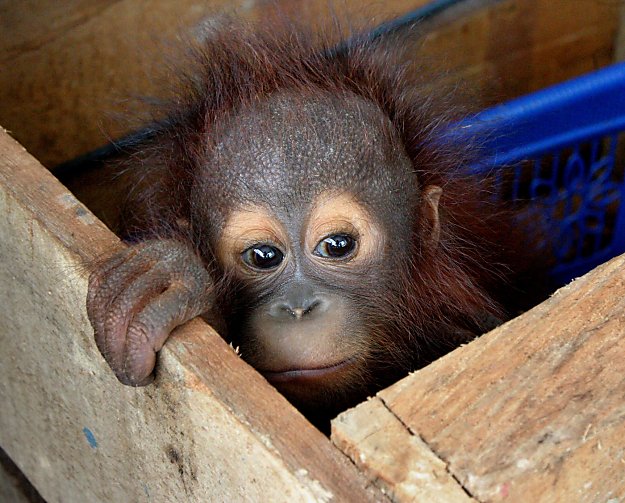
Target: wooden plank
79, 67
620, 38
515, 47
210, 429
535, 410
400, 463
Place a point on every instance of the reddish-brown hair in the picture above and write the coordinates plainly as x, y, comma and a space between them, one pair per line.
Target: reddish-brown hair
447, 293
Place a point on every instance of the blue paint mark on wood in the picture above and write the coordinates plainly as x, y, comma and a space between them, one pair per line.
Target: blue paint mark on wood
90, 437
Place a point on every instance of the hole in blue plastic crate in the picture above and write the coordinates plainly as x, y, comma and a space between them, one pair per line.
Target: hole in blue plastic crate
577, 193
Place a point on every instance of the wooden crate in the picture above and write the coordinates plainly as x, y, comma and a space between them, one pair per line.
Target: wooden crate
533, 411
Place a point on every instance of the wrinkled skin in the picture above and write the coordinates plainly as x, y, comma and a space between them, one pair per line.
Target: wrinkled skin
138, 297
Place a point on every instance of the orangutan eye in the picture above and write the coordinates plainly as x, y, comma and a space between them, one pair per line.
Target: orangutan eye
336, 246
262, 256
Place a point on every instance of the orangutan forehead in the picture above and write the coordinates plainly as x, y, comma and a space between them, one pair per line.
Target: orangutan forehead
317, 115
289, 144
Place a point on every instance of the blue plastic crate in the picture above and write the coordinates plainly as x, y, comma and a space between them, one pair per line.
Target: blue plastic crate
562, 149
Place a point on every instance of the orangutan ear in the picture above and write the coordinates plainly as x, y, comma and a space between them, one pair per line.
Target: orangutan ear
431, 197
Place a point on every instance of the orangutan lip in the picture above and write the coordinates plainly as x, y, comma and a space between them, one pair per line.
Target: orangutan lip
304, 374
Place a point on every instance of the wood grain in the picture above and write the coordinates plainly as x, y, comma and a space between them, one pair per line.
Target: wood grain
515, 47
400, 463
211, 428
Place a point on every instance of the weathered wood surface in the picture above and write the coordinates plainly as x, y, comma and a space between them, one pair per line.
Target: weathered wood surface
400, 463
210, 429
74, 67
620, 39
514, 47
533, 411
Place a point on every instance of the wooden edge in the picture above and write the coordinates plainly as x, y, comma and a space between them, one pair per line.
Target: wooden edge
14, 487
204, 392
532, 411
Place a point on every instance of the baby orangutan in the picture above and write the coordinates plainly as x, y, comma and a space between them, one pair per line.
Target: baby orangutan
302, 200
